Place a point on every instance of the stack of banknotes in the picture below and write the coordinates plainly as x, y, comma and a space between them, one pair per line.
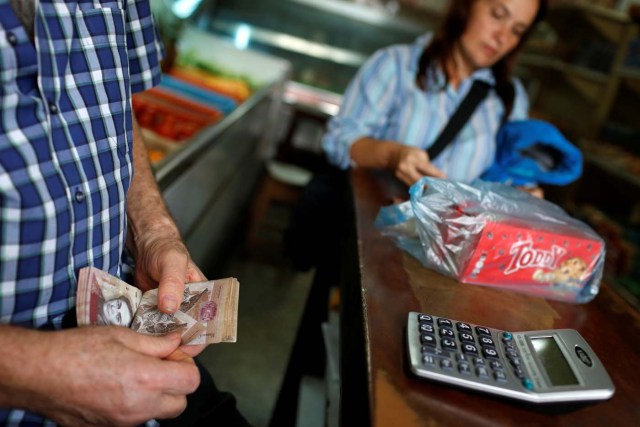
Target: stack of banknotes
207, 315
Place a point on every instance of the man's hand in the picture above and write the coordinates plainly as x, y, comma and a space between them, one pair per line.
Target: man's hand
410, 164
95, 376
163, 262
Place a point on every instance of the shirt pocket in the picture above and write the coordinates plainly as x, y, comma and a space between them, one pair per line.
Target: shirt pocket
100, 67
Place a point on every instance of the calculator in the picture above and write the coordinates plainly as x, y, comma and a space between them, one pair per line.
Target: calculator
535, 366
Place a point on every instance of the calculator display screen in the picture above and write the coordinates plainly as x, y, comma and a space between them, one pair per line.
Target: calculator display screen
554, 362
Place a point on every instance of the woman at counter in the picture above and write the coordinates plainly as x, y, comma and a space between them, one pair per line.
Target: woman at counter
404, 95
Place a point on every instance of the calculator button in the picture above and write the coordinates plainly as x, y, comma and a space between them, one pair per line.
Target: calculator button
511, 353
489, 352
515, 362
463, 327
495, 365
446, 364
435, 351
506, 336
429, 360
527, 383
428, 339
448, 343
463, 368
461, 357
464, 336
425, 327
469, 349
500, 376
445, 322
478, 361
486, 341
510, 347
446, 332
519, 373
425, 318
483, 331
482, 372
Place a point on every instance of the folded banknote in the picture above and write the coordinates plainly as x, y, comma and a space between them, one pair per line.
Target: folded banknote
208, 314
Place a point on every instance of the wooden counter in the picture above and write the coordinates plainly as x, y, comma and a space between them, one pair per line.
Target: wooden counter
392, 283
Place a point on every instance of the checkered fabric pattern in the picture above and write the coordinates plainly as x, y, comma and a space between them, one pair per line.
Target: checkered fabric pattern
66, 150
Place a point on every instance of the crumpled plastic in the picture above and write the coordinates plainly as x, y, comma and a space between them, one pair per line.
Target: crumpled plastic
495, 235
533, 152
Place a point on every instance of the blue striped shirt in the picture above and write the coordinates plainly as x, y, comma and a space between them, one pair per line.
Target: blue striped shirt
383, 102
66, 150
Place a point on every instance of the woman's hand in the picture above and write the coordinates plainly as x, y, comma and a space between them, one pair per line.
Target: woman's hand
410, 164
534, 191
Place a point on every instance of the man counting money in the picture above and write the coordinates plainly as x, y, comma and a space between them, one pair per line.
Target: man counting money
73, 176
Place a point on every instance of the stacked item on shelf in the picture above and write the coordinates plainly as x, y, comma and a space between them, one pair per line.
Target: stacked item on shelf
233, 87
209, 79
187, 100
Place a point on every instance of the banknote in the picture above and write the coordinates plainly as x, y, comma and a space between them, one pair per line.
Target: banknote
207, 315
103, 299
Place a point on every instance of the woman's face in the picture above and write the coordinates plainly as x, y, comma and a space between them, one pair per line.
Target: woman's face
495, 27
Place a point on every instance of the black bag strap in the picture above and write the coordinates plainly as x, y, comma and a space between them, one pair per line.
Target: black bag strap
477, 93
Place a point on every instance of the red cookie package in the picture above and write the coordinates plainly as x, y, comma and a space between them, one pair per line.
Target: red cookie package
494, 235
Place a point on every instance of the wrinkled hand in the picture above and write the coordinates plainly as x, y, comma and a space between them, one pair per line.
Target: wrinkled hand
110, 376
411, 163
163, 262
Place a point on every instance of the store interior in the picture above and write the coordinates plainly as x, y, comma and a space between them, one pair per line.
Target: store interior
232, 157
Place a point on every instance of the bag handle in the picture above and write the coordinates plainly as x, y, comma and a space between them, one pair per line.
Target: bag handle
477, 93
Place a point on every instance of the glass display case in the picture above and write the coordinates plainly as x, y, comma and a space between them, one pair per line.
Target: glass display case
325, 40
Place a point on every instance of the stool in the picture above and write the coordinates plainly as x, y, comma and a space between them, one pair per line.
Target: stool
282, 183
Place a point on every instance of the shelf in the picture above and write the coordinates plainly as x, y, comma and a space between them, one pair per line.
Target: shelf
609, 167
609, 23
543, 61
631, 78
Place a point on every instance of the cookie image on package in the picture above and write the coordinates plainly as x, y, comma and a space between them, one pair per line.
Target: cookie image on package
570, 273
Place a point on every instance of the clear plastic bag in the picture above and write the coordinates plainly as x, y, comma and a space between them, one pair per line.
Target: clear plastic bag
495, 235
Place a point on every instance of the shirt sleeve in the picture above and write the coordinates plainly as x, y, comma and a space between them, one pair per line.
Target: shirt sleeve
144, 46
365, 107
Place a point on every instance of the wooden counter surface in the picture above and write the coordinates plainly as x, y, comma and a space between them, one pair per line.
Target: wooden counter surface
392, 283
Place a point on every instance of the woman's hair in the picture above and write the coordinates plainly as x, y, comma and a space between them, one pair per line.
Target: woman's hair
454, 25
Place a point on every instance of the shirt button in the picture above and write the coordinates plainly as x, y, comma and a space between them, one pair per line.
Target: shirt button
79, 196
12, 39
53, 108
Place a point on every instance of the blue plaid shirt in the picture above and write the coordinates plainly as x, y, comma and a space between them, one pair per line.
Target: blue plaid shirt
66, 150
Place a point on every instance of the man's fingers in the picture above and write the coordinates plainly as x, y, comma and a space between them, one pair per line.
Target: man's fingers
194, 274
170, 406
178, 377
173, 272
179, 356
192, 350
160, 347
